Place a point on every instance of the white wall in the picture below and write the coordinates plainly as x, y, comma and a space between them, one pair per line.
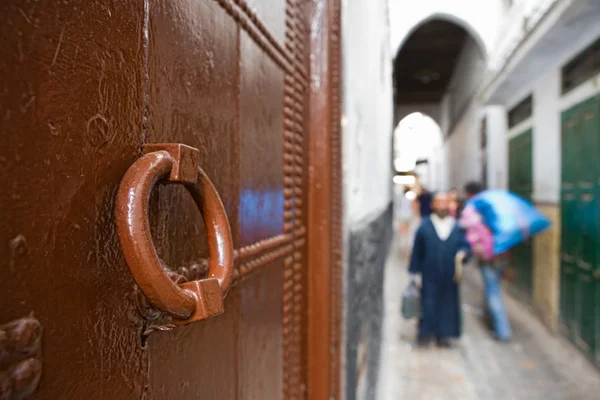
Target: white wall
546, 138
481, 18
467, 77
438, 169
432, 110
497, 147
516, 23
463, 149
463, 144
367, 109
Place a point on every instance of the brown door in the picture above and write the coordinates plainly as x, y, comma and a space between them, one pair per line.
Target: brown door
84, 88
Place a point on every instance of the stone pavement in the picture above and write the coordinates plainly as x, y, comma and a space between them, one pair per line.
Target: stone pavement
535, 365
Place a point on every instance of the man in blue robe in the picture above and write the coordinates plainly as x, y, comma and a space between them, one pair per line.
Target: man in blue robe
438, 244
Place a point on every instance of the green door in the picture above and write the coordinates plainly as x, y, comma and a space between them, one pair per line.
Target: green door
569, 222
569, 215
521, 183
580, 206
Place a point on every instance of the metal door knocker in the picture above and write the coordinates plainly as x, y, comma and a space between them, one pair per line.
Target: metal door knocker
190, 301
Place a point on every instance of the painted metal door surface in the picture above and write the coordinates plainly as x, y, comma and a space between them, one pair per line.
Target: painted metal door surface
521, 183
85, 87
580, 206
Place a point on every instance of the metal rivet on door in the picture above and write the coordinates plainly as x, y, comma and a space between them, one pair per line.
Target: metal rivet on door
20, 364
190, 301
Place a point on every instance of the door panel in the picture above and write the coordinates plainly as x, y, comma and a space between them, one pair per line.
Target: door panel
521, 182
586, 295
570, 227
260, 353
569, 223
215, 85
589, 130
260, 343
192, 93
589, 226
580, 208
597, 319
567, 298
198, 360
72, 106
261, 147
588, 232
569, 152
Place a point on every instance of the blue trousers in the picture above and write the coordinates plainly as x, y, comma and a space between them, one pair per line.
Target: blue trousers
493, 295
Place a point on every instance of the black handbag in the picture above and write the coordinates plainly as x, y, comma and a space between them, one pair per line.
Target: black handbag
411, 302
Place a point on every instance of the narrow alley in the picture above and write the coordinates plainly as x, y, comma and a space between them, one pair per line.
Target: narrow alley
530, 367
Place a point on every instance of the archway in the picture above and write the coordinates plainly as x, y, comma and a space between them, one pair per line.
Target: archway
437, 71
482, 42
418, 148
424, 65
